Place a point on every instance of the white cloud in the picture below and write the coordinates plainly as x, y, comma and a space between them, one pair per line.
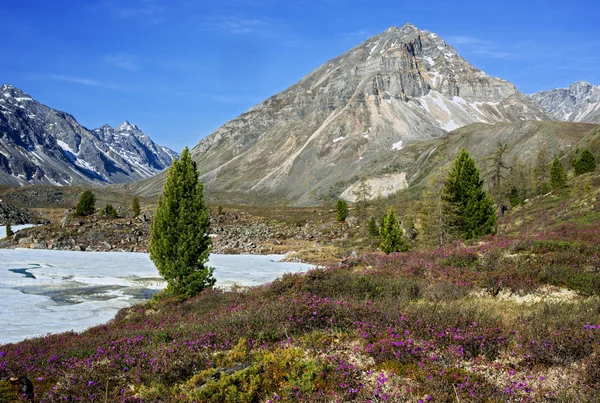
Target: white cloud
125, 61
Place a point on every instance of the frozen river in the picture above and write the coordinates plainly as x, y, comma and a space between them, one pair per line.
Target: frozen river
46, 291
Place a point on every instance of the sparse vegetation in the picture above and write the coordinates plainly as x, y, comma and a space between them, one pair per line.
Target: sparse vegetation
109, 211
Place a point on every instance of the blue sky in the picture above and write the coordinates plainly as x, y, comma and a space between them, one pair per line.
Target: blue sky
181, 68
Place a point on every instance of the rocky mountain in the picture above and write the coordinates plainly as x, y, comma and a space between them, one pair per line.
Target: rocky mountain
41, 145
578, 103
400, 87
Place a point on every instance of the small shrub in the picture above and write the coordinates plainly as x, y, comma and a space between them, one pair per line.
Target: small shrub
109, 211
219, 209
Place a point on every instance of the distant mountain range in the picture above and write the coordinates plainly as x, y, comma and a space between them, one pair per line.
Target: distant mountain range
40, 145
578, 103
392, 108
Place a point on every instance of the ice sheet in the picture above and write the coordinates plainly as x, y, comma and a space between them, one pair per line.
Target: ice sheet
46, 291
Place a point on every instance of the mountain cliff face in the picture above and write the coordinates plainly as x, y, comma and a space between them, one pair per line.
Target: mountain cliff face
41, 145
578, 103
400, 87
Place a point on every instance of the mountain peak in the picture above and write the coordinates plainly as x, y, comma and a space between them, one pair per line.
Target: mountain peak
12, 90
404, 28
126, 126
580, 84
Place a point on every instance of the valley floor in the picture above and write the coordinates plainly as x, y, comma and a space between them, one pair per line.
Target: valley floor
504, 319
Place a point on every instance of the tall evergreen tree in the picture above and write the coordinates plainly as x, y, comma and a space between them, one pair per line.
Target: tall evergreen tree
469, 209
558, 175
496, 169
179, 241
86, 204
135, 206
585, 163
391, 234
341, 209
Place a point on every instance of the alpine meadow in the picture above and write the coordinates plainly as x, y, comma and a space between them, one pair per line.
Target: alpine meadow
366, 215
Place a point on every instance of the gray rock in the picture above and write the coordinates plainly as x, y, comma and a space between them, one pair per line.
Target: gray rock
25, 241
352, 221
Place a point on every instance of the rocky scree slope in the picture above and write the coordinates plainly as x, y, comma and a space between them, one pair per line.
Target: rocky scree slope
40, 145
578, 103
400, 87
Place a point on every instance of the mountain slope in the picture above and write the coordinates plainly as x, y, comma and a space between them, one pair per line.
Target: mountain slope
41, 145
400, 87
578, 103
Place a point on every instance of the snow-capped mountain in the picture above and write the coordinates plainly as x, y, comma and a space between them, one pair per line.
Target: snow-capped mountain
578, 103
316, 138
41, 145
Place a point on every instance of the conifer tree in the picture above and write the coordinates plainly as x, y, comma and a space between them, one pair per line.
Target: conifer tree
179, 241
363, 194
135, 206
585, 163
469, 210
496, 169
86, 204
391, 234
373, 229
9, 231
558, 175
341, 209
219, 209
110, 211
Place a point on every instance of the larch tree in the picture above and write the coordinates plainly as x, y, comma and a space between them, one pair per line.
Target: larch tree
363, 195
179, 238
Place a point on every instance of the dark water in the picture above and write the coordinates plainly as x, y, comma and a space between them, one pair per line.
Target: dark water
22, 271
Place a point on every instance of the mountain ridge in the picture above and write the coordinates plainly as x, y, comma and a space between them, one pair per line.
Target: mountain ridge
42, 145
580, 102
396, 88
